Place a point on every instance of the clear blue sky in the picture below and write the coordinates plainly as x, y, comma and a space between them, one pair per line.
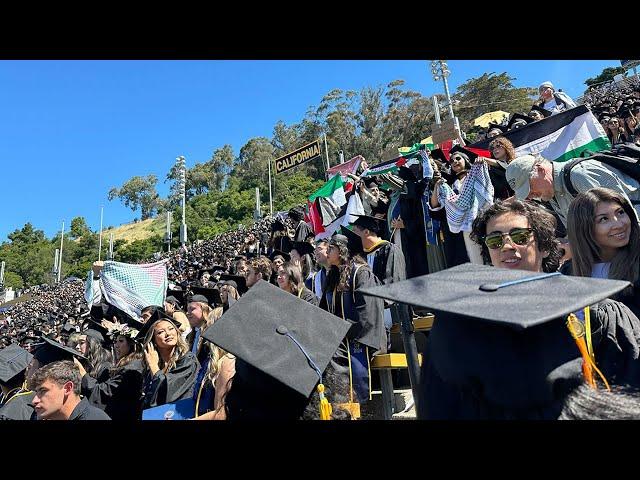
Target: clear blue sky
71, 130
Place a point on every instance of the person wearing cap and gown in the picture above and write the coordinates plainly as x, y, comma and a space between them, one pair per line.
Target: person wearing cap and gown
505, 344
49, 351
301, 256
367, 335
120, 394
14, 361
385, 258
289, 279
302, 229
170, 366
173, 305
502, 152
277, 260
283, 348
320, 276
279, 240
91, 345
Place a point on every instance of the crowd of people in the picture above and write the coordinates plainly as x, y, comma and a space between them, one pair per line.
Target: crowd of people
275, 321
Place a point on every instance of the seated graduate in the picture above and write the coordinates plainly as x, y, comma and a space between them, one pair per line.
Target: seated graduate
170, 366
290, 280
501, 346
20, 406
283, 347
120, 393
14, 361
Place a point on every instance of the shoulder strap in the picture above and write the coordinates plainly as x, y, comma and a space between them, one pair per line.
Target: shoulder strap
566, 175
353, 282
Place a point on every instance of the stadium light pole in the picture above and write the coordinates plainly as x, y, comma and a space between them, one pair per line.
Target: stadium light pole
440, 70
183, 184
100, 239
61, 243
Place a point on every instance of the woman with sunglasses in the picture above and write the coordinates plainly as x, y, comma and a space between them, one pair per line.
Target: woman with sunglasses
502, 152
616, 131
517, 235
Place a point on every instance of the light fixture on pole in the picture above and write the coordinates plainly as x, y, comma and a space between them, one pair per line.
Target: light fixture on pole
182, 165
440, 70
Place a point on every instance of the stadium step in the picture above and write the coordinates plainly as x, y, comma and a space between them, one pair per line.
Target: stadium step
421, 324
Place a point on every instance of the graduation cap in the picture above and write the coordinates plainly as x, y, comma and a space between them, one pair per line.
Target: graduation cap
209, 296
296, 213
282, 346
69, 328
500, 343
546, 113
366, 221
438, 154
276, 253
52, 351
236, 281
624, 113
495, 126
519, 118
350, 239
470, 155
175, 297
278, 226
13, 361
303, 248
159, 314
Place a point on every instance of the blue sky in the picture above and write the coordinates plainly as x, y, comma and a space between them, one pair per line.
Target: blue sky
72, 130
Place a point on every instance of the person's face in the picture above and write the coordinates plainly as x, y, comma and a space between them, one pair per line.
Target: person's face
320, 253
242, 269
614, 124
169, 307
493, 133
374, 190
224, 293
536, 115
194, 314
358, 230
121, 347
541, 184
165, 334
546, 93
499, 152
50, 398
333, 255
283, 279
457, 163
252, 277
277, 263
295, 257
611, 228
83, 345
205, 277
145, 316
32, 367
631, 122
511, 255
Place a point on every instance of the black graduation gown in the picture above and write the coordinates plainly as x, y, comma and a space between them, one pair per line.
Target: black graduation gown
309, 296
19, 408
85, 411
120, 395
388, 263
303, 230
501, 189
176, 384
413, 236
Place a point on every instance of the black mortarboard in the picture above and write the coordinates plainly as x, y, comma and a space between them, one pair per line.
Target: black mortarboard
500, 345
493, 126
352, 240
546, 113
518, 116
278, 226
240, 282
160, 314
284, 255
303, 248
624, 113
175, 297
210, 296
267, 330
366, 221
52, 351
13, 360
296, 213
438, 154
470, 155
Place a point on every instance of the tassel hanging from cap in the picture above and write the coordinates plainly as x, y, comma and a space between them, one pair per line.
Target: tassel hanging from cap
325, 406
588, 365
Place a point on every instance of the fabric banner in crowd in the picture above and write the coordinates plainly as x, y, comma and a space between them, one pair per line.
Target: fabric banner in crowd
350, 166
326, 203
354, 208
558, 138
390, 166
134, 287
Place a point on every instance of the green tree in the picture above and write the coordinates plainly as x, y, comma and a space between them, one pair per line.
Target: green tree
138, 192
79, 227
490, 92
606, 75
13, 280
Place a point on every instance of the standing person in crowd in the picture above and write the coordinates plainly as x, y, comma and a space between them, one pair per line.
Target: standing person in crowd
100, 359
342, 298
605, 241
280, 239
173, 307
616, 132
301, 257
290, 280
539, 113
119, 395
320, 277
517, 235
170, 366
539, 179
259, 269
303, 230
201, 316
552, 100
502, 152
277, 260
57, 394
14, 361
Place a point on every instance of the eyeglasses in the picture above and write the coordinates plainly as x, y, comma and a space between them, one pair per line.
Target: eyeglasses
519, 236
495, 147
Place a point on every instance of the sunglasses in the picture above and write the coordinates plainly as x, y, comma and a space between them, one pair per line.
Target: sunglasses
519, 236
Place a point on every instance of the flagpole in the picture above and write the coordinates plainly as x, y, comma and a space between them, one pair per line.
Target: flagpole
100, 240
61, 243
326, 151
270, 196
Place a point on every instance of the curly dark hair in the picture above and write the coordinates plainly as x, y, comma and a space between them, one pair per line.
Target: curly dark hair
338, 277
506, 144
541, 221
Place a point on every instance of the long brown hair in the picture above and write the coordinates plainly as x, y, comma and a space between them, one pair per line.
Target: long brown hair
294, 274
179, 351
506, 144
586, 252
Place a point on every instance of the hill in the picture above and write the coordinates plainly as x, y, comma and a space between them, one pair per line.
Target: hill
137, 230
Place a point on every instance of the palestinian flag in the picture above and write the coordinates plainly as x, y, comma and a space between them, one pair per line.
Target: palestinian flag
325, 204
390, 166
558, 138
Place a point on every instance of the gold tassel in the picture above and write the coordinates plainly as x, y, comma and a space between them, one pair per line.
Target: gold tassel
588, 365
325, 406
